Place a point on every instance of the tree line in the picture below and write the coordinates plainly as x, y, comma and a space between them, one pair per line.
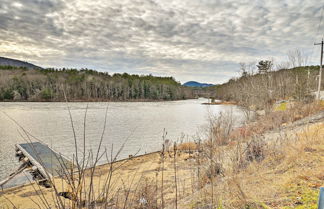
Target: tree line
21, 84
259, 86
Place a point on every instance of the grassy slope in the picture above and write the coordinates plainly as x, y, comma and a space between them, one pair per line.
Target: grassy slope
292, 178
289, 176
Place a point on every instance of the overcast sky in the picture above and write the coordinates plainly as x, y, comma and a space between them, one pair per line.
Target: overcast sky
202, 40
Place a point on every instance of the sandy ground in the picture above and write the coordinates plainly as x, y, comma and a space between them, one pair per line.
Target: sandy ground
134, 173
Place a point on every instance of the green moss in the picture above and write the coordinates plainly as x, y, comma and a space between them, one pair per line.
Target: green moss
281, 107
303, 197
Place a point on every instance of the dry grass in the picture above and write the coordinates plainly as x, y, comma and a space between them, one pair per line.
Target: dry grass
276, 119
187, 146
288, 176
248, 167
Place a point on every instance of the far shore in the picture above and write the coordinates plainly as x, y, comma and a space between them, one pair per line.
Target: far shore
220, 103
97, 100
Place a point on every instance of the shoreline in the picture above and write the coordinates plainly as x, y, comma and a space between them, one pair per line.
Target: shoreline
146, 169
221, 103
92, 101
140, 168
7, 189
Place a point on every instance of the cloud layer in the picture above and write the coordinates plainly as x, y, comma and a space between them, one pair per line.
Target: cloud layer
190, 40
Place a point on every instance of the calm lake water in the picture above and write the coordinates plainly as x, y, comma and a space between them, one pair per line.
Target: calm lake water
139, 125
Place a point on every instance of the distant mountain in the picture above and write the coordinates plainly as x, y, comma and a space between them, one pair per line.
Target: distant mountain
16, 63
196, 84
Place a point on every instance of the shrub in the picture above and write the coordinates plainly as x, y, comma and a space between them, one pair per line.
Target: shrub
8, 94
46, 94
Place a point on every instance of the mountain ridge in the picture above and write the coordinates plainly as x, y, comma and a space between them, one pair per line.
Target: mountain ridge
4, 61
197, 84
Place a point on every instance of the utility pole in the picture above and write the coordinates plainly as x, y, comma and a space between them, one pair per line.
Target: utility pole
320, 72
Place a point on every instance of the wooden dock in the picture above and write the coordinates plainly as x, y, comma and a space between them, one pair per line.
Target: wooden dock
42, 162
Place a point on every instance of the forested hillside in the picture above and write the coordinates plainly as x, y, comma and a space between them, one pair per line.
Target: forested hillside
12, 63
21, 84
260, 90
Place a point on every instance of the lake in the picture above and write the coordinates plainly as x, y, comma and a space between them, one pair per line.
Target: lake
138, 125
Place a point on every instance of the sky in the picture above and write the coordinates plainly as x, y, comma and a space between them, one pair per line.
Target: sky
201, 40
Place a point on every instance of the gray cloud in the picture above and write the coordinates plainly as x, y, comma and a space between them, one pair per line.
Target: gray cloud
190, 40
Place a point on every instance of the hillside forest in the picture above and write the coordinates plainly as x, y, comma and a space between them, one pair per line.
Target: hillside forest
257, 87
262, 87
22, 84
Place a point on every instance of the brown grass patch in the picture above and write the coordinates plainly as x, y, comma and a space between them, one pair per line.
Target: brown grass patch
187, 146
